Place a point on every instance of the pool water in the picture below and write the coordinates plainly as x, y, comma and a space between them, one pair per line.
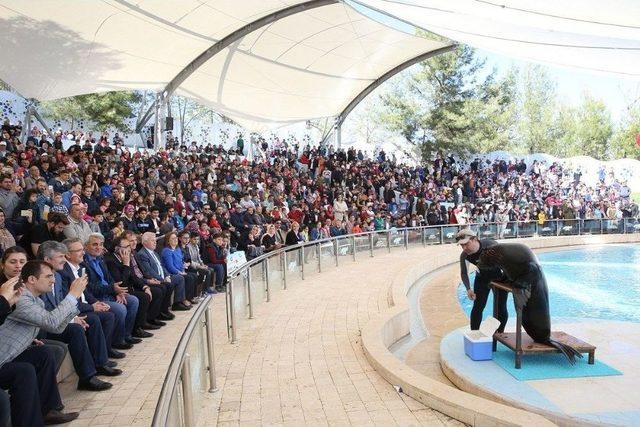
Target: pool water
601, 282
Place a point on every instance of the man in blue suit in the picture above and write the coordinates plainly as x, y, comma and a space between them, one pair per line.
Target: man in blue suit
103, 287
85, 340
151, 267
88, 304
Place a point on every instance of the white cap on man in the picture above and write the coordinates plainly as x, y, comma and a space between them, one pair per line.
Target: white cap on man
463, 236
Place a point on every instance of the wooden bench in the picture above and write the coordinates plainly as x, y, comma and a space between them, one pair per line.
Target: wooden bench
523, 344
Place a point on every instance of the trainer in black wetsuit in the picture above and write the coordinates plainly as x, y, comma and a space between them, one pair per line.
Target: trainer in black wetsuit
472, 248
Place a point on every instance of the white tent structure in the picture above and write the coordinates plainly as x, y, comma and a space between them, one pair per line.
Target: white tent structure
594, 35
266, 63
262, 63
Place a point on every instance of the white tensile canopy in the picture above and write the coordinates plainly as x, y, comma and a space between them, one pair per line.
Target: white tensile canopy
595, 35
309, 61
272, 62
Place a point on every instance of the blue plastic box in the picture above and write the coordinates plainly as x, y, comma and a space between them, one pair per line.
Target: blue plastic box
478, 344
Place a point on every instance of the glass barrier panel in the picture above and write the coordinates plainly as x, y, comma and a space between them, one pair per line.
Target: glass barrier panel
275, 273
612, 226
432, 235
414, 237
449, 233
591, 226
362, 243
240, 302
526, 229
175, 415
396, 238
310, 260
258, 285
197, 350
568, 227
292, 258
344, 248
548, 228
632, 225
510, 230
379, 241
327, 256
488, 231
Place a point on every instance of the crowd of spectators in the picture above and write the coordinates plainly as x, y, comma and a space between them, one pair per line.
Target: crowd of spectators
108, 241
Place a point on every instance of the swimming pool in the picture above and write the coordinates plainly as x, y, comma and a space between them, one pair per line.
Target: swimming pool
601, 282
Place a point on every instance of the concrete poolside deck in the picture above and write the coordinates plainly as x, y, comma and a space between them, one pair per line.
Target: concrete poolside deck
302, 360
299, 362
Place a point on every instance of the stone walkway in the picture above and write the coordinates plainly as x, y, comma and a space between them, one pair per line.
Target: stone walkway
300, 361
133, 398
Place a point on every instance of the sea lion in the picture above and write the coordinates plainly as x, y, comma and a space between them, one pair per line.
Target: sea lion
530, 293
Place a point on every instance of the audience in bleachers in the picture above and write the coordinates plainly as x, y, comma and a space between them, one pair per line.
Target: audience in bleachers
125, 237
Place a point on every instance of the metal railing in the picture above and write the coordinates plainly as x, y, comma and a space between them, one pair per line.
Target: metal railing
256, 281
191, 374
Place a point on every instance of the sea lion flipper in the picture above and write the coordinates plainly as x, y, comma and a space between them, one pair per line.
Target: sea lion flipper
520, 297
570, 352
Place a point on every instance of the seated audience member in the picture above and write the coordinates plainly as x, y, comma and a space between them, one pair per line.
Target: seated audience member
52, 229
105, 289
190, 244
151, 267
142, 223
78, 227
89, 304
84, 334
35, 396
161, 292
13, 260
119, 265
217, 259
268, 240
7, 238
173, 262
294, 236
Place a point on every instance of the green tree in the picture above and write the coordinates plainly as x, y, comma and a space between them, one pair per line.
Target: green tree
536, 130
623, 142
109, 109
447, 107
593, 128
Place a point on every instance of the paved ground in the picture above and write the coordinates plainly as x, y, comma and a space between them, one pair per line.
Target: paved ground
134, 395
299, 362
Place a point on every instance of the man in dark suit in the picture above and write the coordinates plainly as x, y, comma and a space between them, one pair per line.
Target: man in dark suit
104, 288
83, 334
89, 304
159, 310
152, 268
119, 265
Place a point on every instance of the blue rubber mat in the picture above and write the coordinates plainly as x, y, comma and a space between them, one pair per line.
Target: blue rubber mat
550, 365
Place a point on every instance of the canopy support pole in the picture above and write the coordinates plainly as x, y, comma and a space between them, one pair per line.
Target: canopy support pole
157, 129
339, 136
340, 118
36, 114
26, 125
